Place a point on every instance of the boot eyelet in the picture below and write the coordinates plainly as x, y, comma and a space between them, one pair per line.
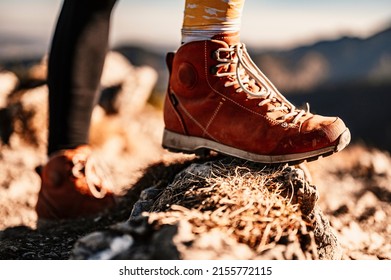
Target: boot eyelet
213, 70
215, 55
284, 124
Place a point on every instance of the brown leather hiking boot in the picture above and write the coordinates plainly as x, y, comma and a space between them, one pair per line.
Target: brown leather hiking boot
73, 186
219, 100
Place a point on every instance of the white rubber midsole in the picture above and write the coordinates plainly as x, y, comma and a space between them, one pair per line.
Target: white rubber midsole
191, 144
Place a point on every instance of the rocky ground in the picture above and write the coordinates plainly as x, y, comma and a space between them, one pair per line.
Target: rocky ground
184, 206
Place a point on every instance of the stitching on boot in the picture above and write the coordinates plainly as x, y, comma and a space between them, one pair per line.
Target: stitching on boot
196, 122
215, 113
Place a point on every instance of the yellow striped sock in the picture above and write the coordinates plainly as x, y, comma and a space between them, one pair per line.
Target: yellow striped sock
205, 18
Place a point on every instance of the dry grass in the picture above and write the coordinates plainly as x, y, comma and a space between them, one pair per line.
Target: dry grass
243, 200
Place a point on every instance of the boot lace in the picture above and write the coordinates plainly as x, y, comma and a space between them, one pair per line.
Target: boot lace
94, 172
249, 76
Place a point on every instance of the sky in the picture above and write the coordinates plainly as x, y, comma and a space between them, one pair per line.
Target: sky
265, 23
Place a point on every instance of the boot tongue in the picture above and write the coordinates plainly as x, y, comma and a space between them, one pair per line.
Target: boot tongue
231, 38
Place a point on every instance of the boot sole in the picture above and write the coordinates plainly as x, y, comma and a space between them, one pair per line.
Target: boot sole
189, 144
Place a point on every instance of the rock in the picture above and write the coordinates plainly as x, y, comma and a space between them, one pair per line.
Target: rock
126, 88
230, 209
39, 72
116, 69
283, 252
385, 252
365, 205
101, 246
8, 83
328, 246
134, 239
380, 216
376, 242
304, 193
376, 162
141, 206
136, 90
31, 116
356, 255
353, 236
215, 244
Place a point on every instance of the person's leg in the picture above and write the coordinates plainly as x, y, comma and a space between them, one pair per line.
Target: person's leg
218, 99
76, 61
73, 185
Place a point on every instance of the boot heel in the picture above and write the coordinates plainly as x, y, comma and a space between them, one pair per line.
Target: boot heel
175, 142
